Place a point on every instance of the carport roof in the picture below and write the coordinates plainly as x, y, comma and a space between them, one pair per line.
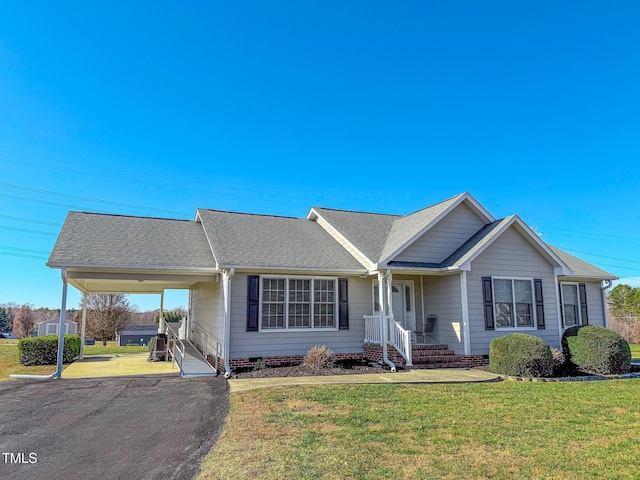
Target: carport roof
93, 240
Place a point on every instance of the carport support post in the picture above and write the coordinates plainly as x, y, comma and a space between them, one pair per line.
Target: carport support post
161, 328
63, 315
84, 325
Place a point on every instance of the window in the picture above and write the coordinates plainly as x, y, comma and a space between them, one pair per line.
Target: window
513, 303
292, 303
570, 304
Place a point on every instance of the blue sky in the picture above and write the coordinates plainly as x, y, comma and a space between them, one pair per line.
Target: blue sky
273, 107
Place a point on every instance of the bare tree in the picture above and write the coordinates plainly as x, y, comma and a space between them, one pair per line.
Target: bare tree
24, 322
106, 314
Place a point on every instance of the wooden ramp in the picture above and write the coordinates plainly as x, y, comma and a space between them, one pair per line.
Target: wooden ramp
194, 364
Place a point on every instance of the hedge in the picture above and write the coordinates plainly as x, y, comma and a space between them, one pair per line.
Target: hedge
594, 349
44, 350
520, 355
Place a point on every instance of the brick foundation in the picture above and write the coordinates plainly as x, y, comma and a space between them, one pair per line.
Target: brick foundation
426, 356
471, 361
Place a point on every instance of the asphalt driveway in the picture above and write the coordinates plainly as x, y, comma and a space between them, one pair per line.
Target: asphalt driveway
115, 428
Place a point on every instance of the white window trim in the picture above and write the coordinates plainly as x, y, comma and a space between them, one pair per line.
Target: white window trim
513, 299
311, 327
564, 323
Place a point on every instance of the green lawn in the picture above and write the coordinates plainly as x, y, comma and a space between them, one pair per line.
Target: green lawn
112, 347
635, 351
503, 430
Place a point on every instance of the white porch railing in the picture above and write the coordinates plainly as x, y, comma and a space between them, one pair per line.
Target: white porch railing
400, 339
396, 335
372, 330
206, 343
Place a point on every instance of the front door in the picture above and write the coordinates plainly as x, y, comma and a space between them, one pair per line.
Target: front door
401, 296
397, 297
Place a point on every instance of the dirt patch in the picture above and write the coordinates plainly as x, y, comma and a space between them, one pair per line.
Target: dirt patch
342, 367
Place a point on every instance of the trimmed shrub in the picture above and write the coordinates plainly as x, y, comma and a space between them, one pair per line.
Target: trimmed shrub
520, 355
44, 350
594, 349
319, 357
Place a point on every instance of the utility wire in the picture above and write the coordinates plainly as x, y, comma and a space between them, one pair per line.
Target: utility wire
21, 255
88, 199
213, 188
601, 256
28, 220
25, 250
25, 230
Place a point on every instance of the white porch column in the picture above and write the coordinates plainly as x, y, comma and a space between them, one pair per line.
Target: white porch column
465, 313
63, 318
84, 324
161, 326
226, 289
383, 317
389, 279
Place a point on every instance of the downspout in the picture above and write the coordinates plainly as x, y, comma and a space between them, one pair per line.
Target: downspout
382, 279
226, 287
63, 314
605, 312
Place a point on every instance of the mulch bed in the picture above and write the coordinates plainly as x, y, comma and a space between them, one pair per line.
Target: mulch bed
343, 367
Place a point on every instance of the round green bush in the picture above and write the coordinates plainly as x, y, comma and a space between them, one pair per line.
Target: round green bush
520, 355
594, 349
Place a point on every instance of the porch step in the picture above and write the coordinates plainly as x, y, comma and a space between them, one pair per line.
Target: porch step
435, 356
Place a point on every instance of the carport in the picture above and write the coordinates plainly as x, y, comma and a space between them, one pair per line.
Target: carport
99, 253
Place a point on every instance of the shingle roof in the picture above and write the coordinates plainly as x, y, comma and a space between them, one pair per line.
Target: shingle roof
99, 240
579, 267
242, 239
366, 231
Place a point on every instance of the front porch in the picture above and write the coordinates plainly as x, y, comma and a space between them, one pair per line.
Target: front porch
405, 348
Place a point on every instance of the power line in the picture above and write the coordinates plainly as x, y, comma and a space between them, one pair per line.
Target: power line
25, 230
89, 199
601, 256
28, 220
21, 255
25, 250
137, 174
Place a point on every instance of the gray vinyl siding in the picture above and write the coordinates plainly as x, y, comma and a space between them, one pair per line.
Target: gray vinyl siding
442, 297
444, 238
594, 304
510, 256
207, 308
297, 342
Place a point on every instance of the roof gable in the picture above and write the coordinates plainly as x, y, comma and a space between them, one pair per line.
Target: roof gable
411, 227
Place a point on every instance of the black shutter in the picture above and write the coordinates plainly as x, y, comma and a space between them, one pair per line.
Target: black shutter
561, 307
488, 303
583, 303
253, 302
343, 304
539, 304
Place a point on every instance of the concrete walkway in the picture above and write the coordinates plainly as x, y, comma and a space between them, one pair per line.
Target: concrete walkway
114, 365
440, 375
